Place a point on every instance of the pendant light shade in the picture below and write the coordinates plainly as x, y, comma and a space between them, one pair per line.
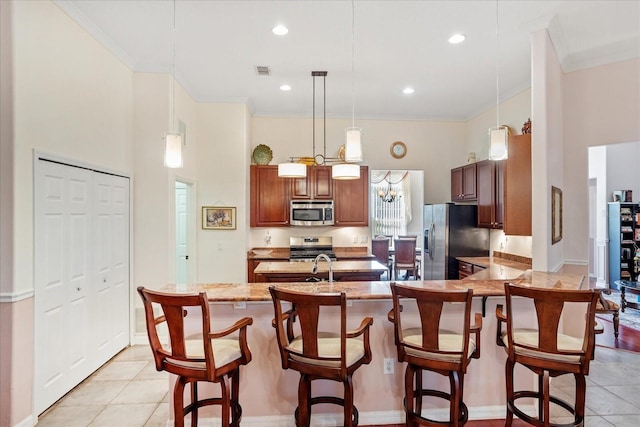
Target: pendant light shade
173, 140
292, 170
498, 148
353, 146
343, 171
173, 150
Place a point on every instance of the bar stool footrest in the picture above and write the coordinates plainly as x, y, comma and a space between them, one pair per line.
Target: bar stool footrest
511, 406
332, 400
417, 418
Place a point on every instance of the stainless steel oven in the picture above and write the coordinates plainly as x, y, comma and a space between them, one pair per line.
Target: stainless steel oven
311, 212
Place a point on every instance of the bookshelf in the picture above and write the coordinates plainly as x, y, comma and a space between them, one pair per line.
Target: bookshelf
624, 241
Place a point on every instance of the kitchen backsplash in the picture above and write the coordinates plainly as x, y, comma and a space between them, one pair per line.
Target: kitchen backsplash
279, 236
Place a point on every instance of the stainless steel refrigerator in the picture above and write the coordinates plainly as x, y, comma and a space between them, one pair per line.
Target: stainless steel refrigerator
451, 231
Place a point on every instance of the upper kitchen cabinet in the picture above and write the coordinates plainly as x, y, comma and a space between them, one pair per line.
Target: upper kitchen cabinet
269, 197
490, 182
517, 187
463, 183
317, 184
351, 200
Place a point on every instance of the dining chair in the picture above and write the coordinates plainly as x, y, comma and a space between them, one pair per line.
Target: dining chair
380, 250
405, 258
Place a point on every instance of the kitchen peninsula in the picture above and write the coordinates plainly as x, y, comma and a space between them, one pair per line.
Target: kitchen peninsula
378, 396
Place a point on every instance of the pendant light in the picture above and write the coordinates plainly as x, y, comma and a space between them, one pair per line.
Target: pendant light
499, 135
297, 166
173, 140
353, 144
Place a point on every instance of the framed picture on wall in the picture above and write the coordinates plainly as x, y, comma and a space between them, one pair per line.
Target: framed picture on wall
218, 218
556, 215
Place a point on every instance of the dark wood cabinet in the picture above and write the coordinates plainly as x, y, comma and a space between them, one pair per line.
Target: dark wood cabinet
517, 187
269, 197
351, 200
463, 183
490, 191
464, 269
467, 269
317, 184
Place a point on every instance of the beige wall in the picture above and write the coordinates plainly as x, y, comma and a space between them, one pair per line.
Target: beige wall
546, 151
223, 159
601, 107
71, 98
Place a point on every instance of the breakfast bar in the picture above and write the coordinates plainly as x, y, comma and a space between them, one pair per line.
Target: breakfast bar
269, 394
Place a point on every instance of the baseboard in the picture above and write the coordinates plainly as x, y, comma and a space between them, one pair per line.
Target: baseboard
367, 418
27, 422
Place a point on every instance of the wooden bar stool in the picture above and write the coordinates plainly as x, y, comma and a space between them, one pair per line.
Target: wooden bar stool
544, 349
206, 356
427, 346
330, 354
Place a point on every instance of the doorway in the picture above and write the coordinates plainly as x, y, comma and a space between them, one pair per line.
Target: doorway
185, 227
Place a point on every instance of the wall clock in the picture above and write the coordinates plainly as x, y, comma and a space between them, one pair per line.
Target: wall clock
398, 149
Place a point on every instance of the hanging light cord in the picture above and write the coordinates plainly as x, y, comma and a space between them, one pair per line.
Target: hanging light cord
353, 54
497, 74
173, 71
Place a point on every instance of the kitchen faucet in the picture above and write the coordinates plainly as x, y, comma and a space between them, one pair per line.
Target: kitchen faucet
314, 270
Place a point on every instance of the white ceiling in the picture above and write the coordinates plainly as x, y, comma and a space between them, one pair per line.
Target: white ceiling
397, 44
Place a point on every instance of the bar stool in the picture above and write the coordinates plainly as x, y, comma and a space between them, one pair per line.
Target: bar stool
330, 355
543, 349
427, 346
206, 356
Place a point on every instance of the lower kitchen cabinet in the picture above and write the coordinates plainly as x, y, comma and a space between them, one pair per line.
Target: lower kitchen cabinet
467, 269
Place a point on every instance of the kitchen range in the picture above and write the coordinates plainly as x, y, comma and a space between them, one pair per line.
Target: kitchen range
308, 248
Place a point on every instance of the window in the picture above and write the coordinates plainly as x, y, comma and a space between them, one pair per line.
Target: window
390, 202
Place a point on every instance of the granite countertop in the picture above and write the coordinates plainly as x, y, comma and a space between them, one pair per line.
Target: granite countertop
366, 290
496, 268
267, 267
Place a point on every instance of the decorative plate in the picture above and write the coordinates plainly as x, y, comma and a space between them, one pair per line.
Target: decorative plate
262, 154
341, 152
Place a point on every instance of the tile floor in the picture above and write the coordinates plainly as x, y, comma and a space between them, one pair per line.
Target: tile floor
128, 391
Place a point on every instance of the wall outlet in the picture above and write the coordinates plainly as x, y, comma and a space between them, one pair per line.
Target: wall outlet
388, 366
355, 239
240, 305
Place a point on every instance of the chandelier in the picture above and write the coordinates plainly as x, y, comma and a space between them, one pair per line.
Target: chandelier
296, 167
389, 195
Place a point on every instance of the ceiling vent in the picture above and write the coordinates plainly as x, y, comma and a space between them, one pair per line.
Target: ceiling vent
263, 70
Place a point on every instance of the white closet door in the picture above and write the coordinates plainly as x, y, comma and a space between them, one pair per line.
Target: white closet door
111, 264
63, 230
81, 275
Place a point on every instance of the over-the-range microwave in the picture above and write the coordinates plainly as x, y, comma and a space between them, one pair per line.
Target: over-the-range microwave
311, 212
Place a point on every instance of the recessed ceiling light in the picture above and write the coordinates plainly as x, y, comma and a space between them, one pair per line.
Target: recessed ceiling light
280, 30
408, 90
285, 88
457, 38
